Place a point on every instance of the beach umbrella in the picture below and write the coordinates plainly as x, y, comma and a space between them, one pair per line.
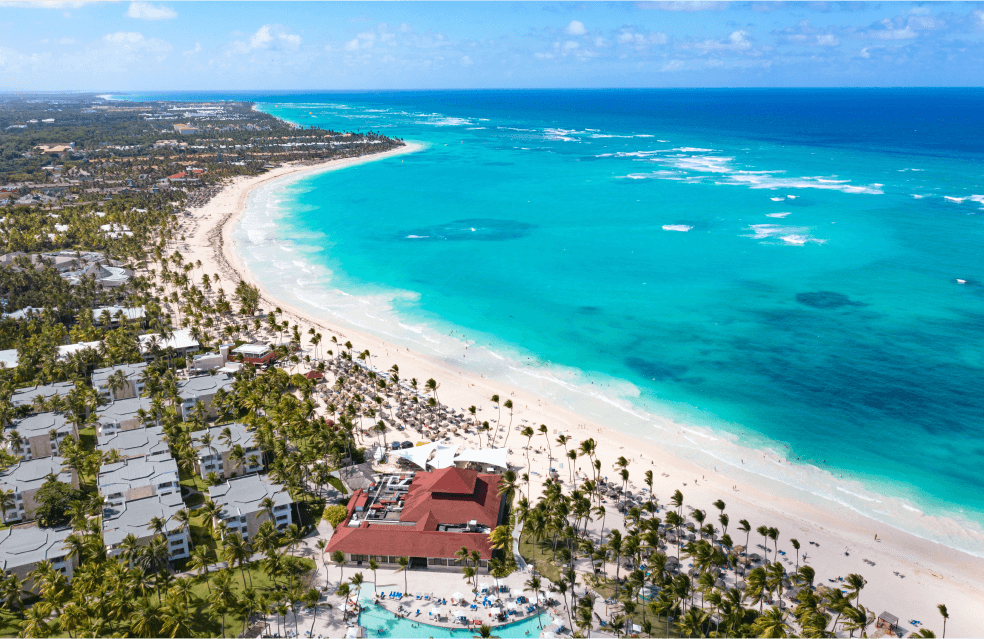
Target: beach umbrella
457, 595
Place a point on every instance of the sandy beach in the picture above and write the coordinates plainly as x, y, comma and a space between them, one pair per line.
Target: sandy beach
933, 573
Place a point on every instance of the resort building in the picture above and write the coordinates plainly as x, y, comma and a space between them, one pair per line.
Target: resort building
38, 435
24, 547
240, 503
182, 341
25, 478
255, 354
26, 396
208, 362
136, 314
201, 389
123, 414
137, 478
132, 517
140, 442
131, 374
221, 455
427, 516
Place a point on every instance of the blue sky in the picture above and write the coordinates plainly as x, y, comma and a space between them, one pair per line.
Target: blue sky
130, 46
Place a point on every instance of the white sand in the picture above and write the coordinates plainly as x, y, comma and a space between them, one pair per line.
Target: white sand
933, 573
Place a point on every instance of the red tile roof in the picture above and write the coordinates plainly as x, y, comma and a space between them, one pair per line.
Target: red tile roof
384, 539
177, 176
447, 496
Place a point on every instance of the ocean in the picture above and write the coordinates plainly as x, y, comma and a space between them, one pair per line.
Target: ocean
798, 271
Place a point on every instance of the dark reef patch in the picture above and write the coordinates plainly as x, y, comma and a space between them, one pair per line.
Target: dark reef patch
826, 300
655, 370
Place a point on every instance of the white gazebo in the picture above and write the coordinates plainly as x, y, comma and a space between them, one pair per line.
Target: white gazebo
488, 457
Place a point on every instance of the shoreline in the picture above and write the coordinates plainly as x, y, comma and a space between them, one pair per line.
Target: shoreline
835, 527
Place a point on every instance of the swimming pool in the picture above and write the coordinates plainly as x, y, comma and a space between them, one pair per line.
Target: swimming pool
382, 623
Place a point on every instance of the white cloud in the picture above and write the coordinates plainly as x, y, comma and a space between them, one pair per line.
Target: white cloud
570, 45
629, 36
364, 40
864, 53
147, 11
132, 45
737, 41
685, 5
269, 37
828, 40
466, 61
575, 28
197, 49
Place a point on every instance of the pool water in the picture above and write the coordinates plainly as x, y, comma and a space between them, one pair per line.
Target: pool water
382, 623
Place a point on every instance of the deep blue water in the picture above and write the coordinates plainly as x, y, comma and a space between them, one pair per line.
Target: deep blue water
782, 265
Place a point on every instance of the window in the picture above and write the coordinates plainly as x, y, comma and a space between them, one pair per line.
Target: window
360, 557
177, 542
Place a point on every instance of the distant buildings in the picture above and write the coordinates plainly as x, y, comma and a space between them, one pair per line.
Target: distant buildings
132, 386
136, 314
152, 345
26, 396
25, 478
240, 503
255, 354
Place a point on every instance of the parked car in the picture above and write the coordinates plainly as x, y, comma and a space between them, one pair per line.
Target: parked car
406, 445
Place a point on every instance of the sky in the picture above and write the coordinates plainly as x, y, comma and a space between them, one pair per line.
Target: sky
170, 46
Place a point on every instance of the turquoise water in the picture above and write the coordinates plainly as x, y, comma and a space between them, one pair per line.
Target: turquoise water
381, 623
782, 268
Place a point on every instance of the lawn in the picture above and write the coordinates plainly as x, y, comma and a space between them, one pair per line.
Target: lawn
257, 578
337, 485
192, 480
87, 437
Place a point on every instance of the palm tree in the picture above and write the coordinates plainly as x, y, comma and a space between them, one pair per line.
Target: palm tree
373, 566
855, 583
508, 404
858, 618
432, 386
200, 561
237, 550
404, 567
945, 615
746, 528
528, 434
36, 621
771, 624
338, 558
311, 599
796, 546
